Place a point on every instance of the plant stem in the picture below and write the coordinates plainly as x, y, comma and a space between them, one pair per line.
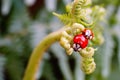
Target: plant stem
38, 53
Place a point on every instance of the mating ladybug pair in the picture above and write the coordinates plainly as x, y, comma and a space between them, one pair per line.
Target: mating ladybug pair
80, 41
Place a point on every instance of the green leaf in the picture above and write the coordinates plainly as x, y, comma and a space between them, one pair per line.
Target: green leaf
65, 18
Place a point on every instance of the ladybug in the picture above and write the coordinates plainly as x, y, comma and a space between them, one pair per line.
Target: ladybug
80, 41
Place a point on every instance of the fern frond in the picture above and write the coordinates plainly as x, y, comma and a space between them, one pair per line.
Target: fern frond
65, 18
76, 10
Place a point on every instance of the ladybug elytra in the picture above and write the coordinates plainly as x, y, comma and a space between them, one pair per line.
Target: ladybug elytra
80, 41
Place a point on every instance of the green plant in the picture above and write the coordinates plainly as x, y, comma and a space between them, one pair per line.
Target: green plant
79, 16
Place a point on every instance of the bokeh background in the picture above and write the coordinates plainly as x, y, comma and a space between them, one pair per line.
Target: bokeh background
24, 23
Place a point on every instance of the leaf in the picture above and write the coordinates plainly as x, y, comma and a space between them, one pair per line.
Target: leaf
65, 18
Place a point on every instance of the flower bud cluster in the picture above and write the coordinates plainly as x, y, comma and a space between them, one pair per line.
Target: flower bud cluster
87, 63
65, 42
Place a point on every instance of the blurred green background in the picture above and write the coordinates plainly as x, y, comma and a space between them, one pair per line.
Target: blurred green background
23, 23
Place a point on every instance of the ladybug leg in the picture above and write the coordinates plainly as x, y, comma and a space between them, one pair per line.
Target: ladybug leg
76, 47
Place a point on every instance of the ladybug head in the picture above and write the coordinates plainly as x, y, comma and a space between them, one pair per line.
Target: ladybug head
88, 33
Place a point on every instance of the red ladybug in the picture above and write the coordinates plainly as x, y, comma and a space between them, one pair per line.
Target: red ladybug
81, 40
